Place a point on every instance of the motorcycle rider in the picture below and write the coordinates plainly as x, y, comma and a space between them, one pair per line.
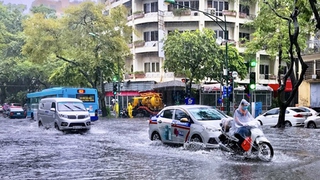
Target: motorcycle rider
240, 124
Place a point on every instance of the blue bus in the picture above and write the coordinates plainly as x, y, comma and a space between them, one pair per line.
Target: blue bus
89, 96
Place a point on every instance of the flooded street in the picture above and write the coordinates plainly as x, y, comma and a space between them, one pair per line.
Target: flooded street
121, 149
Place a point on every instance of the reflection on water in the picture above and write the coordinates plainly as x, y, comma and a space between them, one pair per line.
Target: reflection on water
120, 149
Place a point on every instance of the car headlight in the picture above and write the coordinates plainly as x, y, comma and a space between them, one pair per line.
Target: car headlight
211, 129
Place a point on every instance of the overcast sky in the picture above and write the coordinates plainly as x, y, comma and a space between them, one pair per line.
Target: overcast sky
26, 2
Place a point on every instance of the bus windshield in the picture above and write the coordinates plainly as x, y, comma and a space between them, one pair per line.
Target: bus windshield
71, 106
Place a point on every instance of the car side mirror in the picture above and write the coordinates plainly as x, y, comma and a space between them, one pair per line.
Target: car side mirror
184, 120
53, 109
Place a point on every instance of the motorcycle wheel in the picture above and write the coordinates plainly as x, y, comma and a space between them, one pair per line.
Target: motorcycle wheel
265, 151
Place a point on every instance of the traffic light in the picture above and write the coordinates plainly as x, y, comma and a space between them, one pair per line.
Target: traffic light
252, 84
185, 81
253, 63
188, 89
115, 79
115, 88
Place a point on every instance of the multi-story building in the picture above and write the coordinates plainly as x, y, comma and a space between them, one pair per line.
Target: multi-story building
153, 20
308, 90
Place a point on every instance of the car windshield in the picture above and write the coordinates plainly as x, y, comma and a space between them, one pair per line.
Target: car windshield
205, 114
71, 106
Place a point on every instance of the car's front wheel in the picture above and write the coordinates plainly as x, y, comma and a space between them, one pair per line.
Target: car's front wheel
196, 138
155, 136
40, 125
311, 125
287, 124
56, 126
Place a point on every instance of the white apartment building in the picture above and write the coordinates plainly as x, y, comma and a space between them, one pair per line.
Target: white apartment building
154, 19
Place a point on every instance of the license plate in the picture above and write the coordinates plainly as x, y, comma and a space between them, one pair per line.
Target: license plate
77, 127
18, 113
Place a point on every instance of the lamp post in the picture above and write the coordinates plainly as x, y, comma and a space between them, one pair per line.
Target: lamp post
224, 29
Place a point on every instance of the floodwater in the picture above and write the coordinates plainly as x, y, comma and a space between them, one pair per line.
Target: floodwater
120, 149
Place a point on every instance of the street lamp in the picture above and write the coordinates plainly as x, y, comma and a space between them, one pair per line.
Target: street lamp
224, 29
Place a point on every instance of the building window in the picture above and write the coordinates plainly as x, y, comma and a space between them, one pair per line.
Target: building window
244, 9
220, 33
219, 6
152, 67
243, 36
150, 36
191, 4
264, 69
150, 7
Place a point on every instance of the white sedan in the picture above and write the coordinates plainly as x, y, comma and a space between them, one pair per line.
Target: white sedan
307, 109
187, 123
294, 116
312, 122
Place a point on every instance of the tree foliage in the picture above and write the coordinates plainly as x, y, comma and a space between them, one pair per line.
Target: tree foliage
284, 38
87, 44
17, 75
197, 55
68, 39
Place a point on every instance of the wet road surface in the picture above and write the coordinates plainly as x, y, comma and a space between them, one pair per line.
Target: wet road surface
120, 149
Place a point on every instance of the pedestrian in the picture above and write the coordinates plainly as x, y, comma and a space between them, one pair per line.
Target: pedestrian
129, 109
116, 108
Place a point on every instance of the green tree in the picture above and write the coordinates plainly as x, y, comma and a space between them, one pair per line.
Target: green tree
93, 45
285, 38
48, 12
197, 55
17, 75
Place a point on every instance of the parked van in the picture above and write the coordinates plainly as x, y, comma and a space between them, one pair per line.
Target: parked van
63, 114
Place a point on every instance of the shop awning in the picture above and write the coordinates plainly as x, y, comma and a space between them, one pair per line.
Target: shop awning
124, 93
276, 86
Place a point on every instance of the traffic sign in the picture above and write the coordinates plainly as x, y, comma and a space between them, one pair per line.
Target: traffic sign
189, 101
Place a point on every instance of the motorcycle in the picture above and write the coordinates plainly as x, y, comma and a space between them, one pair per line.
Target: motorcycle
254, 146
124, 113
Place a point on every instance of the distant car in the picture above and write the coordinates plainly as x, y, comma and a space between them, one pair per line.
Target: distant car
15, 105
1, 109
294, 116
312, 111
312, 122
186, 123
16, 112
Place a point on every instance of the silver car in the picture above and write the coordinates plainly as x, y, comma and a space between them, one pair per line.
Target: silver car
63, 114
312, 122
186, 123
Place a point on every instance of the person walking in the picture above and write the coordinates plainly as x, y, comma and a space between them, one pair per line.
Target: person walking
129, 110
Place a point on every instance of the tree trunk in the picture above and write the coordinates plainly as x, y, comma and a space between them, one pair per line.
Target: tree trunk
102, 96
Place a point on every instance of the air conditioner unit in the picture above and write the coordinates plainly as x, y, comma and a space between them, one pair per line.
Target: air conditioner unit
211, 11
314, 76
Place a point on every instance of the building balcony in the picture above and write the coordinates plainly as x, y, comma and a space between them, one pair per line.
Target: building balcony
141, 46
